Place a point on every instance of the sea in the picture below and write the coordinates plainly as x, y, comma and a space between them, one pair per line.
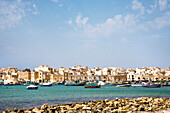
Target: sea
18, 96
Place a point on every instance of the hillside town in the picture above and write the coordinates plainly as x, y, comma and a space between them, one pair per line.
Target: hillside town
45, 73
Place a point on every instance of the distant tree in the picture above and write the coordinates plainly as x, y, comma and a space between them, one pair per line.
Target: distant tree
27, 69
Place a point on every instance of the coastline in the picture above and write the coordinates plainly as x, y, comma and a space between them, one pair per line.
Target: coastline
140, 104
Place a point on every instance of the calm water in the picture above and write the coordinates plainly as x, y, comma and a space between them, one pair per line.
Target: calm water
18, 96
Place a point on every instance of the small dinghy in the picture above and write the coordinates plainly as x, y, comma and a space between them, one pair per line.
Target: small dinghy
46, 84
32, 87
152, 86
123, 85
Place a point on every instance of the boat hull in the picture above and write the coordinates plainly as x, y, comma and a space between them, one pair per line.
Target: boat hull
124, 85
152, 86
33, 88
136, 85
96, 86
46, 85
76, 84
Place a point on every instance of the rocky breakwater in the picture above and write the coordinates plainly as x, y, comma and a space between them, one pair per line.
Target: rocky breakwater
125, 105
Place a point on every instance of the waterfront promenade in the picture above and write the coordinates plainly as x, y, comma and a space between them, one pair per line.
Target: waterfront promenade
19, 97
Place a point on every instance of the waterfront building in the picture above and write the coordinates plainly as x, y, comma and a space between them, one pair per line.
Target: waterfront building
44, 68
34, 76
78, 73
24, 75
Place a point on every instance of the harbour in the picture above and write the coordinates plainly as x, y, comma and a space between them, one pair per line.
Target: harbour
18, 96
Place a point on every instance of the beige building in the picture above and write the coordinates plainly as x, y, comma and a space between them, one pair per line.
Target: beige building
44, 68
34, 76
24, 75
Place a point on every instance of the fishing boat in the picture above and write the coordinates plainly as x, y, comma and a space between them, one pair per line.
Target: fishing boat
136, 85
92, 86
75, 84
166, 84
123, 85
9, 84
32, 87
101, 83
115, 83
46, 84
152, 86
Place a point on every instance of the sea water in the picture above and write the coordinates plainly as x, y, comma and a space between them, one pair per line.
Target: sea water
18, 96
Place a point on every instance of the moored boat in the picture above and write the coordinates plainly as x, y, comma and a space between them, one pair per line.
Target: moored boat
166, 84
46, 84
92, 86
136, 85
123, 85
101, 83
75, 84
152, 86
115, 83
9, 84
31, 87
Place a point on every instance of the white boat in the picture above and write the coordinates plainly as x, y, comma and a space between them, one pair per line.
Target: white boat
136, 85
46, 84
101, 83
123, 85
31, 87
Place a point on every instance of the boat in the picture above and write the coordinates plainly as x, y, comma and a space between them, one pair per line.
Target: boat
31, 87
46, 84
123, 85
115, 83
75, 84
136, 85
166, 84
152, 86
101, 83
92, 86
9, 84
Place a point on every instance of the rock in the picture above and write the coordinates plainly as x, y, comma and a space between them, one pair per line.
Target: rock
86, 108
77, 106
52, 110
106, 100
15, 109
115, 111
7, 111
150, 109
116, 99
35, 109
45, 106
27, 111
134, 109
141, 108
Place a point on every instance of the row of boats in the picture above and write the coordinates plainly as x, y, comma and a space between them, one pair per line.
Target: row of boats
140, 85
33, 87
98, 85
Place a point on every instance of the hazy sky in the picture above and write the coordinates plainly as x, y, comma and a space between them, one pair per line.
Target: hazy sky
103, 33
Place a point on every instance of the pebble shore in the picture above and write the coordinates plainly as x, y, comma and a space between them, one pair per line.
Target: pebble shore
137, 105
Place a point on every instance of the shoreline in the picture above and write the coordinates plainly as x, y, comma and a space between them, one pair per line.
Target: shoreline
140, 104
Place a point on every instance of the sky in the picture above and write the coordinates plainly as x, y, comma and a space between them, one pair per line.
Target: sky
96, 33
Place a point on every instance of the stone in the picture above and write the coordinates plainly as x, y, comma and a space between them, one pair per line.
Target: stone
141, 108
7, 111
150, 109
15, 109
116, 99
106, 100
45, 106
27, 111
21, 111
115, 111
